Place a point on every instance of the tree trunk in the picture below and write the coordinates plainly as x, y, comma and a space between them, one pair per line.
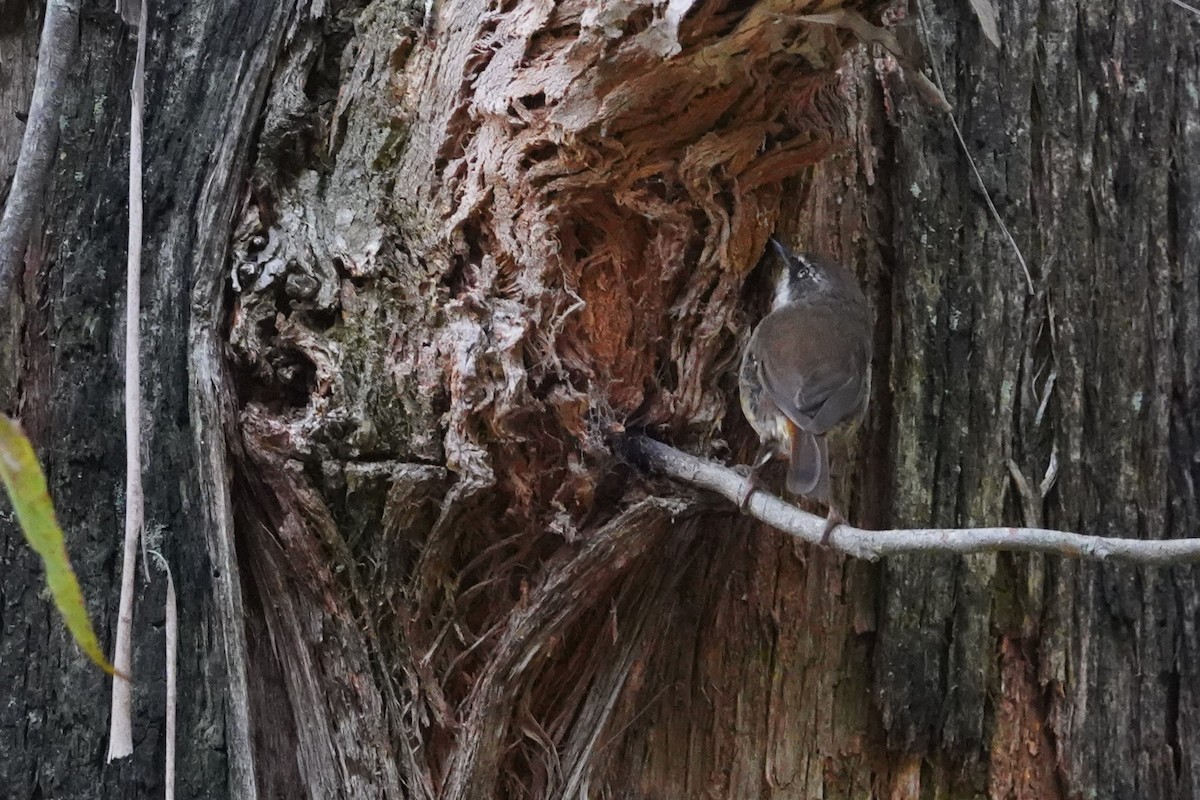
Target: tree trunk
409, 272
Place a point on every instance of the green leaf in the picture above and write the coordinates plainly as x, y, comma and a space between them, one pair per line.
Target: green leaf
26, 485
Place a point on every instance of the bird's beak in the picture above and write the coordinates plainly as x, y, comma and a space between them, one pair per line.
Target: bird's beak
783, 252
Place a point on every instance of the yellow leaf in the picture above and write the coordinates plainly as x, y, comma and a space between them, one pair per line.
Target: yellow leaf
26, 485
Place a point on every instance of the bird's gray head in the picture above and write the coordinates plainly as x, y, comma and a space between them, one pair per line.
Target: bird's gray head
806, 275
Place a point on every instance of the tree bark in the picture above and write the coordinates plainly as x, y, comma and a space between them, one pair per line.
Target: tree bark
408, 271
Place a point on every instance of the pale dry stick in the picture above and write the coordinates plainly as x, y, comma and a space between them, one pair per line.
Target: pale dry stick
172, 647
60, 34
872, 545
120, 732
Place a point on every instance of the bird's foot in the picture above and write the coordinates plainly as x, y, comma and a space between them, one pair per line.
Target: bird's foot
766, 452
832, 520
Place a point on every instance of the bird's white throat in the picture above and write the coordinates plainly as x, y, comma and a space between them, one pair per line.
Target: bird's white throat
783, 287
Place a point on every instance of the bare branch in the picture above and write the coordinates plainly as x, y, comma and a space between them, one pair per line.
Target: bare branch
60, 33
872, 545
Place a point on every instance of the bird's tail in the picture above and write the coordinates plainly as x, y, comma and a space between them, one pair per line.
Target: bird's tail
808, 470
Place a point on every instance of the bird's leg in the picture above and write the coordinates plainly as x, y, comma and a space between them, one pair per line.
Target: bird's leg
765, 453
832, 520
748, 489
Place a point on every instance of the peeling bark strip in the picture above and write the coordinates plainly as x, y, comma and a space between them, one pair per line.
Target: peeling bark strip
568, 591
619, 167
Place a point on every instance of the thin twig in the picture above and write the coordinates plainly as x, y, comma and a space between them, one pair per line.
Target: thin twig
872, 545
120, 734
60, 34
987, 196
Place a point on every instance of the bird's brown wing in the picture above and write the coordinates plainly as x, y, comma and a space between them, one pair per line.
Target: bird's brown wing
814, 365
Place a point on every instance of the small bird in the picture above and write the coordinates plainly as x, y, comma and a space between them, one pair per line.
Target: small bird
806, 371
